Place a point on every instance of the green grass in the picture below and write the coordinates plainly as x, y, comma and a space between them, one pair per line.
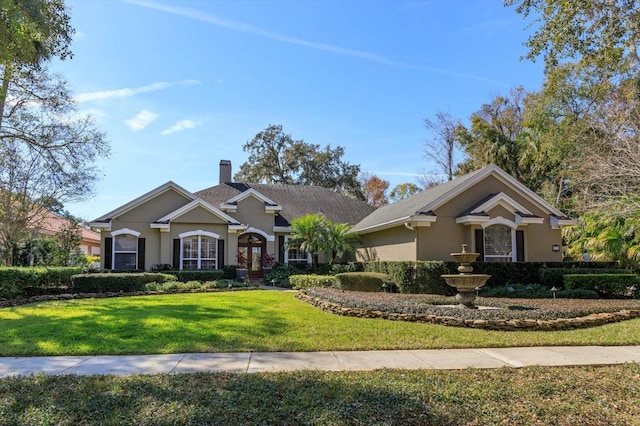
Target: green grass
246, 321
529, 396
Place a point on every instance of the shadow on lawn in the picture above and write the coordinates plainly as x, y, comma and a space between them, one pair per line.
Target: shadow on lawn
248, 399
155, 325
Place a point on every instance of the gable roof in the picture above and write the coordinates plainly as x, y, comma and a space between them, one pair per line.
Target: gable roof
295, 200
141, 199
423, 203
195, 204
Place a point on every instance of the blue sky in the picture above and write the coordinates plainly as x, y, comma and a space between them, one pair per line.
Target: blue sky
179, 85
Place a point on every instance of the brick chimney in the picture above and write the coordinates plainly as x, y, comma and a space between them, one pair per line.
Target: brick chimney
225, 171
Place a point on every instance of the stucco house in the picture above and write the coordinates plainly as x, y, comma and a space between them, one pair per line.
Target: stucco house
488, 209
207, 229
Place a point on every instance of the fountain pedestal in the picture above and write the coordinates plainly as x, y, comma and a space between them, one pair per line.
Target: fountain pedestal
466, 282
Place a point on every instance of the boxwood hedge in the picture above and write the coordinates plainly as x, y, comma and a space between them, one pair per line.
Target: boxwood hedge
125, 282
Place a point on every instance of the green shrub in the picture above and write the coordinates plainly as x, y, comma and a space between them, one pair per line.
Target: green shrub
363, 281
611, 286
415, 277
553, 277
535, 291
300, 282
126, 282
279, 275
16, 282
339, 268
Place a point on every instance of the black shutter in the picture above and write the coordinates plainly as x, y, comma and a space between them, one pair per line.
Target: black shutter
176, 253
281, 249
520, 246
141, 244
479, 233
108, 253
220, 254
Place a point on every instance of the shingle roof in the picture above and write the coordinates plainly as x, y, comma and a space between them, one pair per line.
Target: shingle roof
416, 204
296, 200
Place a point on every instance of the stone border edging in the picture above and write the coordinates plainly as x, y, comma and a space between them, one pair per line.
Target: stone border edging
592, 320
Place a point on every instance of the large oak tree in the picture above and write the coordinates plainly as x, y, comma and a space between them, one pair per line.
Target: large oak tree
275, 157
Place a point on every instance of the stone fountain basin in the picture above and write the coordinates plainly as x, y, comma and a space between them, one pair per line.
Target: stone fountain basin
466, 283
465, 257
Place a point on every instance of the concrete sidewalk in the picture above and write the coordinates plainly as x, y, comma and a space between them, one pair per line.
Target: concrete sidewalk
253, 362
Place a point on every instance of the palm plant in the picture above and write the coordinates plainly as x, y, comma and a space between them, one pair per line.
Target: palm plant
309, 234
340, 239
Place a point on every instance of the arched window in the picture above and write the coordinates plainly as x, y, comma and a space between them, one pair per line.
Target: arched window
198, 250
498, 243
125, 250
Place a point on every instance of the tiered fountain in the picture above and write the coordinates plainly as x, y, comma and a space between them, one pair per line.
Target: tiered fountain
465, 282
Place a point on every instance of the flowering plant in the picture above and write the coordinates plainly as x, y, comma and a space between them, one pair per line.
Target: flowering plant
268, 260
241, 260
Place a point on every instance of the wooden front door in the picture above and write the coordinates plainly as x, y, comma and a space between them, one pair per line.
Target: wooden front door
252, 247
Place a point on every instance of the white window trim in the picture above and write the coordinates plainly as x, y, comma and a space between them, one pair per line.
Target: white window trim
199, 233
286, 253
123, 231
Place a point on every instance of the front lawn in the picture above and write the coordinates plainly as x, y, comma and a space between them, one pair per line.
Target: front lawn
246, 321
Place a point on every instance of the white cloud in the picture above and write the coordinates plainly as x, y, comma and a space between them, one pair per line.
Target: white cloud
141, 120
127, 92
180, 126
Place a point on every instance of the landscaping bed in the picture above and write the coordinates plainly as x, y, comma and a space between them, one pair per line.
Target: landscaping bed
512, 315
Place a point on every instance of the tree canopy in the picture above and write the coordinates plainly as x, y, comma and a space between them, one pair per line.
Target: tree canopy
601, 34
375, 190
47, 150
275, 157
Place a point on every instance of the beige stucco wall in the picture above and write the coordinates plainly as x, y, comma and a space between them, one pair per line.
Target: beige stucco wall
397, 243
437, 241
251, 212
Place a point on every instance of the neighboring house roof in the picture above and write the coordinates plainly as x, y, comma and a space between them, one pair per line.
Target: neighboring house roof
53, 223
294, 200
420, 206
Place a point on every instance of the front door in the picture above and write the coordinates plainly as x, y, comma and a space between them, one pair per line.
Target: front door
251, 246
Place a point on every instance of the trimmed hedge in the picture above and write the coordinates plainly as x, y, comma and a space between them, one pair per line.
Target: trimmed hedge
18, 282
415, 277
300, 282
125, 282
363, 281
611, 286
555, 277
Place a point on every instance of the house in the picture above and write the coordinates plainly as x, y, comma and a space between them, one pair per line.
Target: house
209, 228
53, 223
489, 210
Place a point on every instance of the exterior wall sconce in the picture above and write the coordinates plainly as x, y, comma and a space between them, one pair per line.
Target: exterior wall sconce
555, 248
